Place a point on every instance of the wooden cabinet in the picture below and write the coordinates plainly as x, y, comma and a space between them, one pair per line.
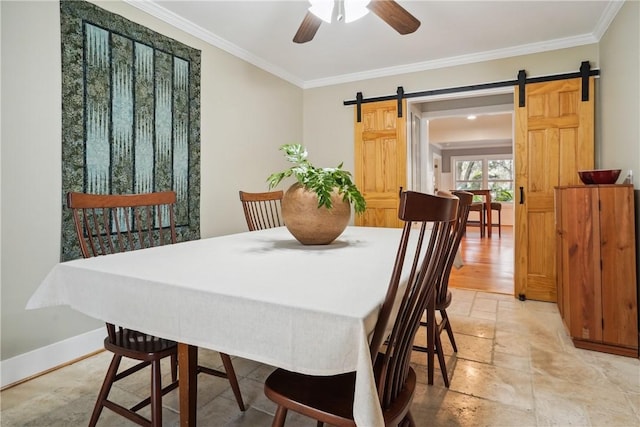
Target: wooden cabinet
596, 267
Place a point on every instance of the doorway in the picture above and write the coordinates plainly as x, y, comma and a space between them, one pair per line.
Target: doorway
489, 262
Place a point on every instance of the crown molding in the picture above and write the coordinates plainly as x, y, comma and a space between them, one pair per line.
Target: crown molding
612, 9
189, 27
457, 60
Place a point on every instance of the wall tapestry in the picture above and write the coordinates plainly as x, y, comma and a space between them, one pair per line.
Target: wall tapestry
130, 114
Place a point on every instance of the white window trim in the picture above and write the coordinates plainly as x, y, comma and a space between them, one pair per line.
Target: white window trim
485, 172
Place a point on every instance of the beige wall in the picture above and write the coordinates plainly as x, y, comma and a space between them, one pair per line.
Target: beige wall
618, 127
247, 114
618, 124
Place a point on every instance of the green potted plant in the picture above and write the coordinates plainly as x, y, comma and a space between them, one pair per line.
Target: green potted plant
317, 207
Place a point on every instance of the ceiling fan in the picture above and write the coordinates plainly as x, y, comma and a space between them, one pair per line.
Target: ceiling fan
323, 10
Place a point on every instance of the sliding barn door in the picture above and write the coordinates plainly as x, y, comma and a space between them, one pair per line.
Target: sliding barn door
553, 140
380, 162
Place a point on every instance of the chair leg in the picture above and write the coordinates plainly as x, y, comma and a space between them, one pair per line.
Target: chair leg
105, 389
279, 417
408, 420
447, 326
484, 220
233, 380
499, 224
430, 368
443, 364
156, 394
174, 368
431, 333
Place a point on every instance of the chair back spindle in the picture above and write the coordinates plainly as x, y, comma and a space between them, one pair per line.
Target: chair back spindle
107, 224
262, 210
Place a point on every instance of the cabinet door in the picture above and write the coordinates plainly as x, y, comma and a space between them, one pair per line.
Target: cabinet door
581, 262
619, 307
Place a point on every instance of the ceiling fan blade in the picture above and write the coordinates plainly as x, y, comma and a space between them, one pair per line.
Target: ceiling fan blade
395, 15
308, 28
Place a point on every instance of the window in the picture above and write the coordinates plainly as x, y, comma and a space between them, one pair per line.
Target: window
492, 172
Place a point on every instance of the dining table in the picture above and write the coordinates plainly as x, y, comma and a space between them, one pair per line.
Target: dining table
258, 295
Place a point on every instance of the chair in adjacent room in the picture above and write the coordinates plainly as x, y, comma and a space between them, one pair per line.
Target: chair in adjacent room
497, 206
443, 294
478, 207
108, 224
262, 210
329, 399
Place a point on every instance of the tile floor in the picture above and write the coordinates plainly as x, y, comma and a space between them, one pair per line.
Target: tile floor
515, 367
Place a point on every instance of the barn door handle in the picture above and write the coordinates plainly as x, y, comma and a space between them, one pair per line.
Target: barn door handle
522, 195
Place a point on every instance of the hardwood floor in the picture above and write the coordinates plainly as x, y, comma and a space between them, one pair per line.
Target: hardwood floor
488, 262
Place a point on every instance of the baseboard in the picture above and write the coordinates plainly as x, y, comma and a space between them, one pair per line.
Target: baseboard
44, 359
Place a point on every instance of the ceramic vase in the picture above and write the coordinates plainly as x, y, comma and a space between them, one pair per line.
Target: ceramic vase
310, 224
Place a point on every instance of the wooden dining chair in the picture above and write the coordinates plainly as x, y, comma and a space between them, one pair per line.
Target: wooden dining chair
329, 399
262, 210
478, 207
108, 224
443, 294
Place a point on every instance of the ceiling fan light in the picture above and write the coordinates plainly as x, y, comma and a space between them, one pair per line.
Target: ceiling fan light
355, 9
323, 9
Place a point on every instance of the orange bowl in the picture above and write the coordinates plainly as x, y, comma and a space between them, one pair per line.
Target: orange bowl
599, 176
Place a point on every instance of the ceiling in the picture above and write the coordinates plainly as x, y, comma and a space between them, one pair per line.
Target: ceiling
452, 33
486, 130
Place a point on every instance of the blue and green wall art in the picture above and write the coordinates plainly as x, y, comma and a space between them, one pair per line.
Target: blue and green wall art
130, 114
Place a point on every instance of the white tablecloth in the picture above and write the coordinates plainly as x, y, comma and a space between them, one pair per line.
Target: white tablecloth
259, 295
